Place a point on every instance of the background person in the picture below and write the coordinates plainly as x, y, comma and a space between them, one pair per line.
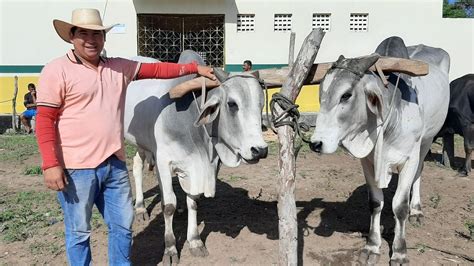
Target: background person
29, 100
80, 133
247, 65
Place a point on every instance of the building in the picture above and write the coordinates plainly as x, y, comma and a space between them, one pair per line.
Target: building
226, 32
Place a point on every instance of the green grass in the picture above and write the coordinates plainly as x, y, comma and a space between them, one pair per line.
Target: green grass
435, 200
17, 147
130, 150
33, 170
50, 247
469, 224
233, 178
24, 213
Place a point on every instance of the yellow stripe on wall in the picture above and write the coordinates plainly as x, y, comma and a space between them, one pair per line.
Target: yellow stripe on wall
308, 99
6, 92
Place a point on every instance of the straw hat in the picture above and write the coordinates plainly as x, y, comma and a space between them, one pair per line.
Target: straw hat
86, 18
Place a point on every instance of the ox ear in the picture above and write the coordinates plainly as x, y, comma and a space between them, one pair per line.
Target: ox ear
375, 101
221, 75
209, 111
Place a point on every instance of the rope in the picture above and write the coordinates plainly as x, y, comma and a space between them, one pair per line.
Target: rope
289, 110
6, 101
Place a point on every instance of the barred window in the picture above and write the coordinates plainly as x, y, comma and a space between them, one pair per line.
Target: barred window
245, 22
359, 22
282, 22
322, 21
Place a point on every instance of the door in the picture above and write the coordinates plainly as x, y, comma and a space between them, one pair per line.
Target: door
164, 37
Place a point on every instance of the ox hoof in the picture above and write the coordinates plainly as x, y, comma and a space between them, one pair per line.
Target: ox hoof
463, 173
141, 215
416, 220
367, 257
198, 249
170, 258
399, 262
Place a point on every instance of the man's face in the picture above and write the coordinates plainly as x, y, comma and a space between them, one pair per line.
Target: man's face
245, 67
31, 89
88, 43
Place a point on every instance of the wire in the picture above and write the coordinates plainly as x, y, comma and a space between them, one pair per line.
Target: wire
105, 9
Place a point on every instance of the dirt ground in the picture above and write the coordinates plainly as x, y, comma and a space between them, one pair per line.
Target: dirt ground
240, 225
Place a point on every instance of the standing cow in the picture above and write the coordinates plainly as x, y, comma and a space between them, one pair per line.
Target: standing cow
190, 141
389, 129
459, 120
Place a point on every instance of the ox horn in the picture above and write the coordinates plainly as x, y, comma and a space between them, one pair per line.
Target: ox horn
192, 85
276, 77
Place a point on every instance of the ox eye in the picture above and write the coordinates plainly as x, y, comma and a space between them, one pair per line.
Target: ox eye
345, 97
233, 106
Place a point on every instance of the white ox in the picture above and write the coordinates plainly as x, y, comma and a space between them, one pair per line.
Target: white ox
183, 139
390, 130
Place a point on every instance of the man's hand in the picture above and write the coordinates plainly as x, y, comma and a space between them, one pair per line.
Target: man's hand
206, 72
54, 178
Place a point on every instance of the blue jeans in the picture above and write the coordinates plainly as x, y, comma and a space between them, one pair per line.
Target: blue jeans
108, 187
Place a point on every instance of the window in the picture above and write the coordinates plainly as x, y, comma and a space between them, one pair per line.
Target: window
359, 22
282, 22
245, 22
322, 21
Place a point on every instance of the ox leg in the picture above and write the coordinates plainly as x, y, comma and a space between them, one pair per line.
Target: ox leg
467, 164
196, 245
400, 206
168, 204
370, 254
416, 214
140, 210
468, 146
448, 150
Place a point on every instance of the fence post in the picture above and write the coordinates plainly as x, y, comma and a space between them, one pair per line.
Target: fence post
14, 116
288, 224
291, 54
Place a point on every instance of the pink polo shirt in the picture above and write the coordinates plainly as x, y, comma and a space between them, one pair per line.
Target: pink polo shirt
91, 106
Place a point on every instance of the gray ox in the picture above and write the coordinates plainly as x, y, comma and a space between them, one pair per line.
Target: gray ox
390, 130
190, 141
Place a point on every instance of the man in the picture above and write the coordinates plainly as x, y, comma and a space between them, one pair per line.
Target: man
80, 133
30, 104
247, 66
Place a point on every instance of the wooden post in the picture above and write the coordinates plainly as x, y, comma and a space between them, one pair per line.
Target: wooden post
291, 54
288, 224
15, 93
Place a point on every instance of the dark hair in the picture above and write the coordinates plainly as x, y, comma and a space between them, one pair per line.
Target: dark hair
248, 62
31, 86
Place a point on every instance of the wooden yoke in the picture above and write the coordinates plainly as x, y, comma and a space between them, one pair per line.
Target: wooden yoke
191, 85
275, 77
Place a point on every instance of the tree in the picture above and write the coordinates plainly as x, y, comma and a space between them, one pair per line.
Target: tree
458, 9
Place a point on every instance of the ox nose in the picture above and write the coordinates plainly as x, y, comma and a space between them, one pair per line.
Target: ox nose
258, 152
316, 146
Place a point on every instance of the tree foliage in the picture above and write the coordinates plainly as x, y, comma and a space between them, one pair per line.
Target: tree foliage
458, 9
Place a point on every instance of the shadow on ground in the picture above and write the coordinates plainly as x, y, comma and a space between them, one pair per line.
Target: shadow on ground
232, 209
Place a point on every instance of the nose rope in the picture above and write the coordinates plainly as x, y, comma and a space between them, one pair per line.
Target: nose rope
203, 100
383, 124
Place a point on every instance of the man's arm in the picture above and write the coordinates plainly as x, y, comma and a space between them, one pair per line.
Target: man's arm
30, 102
46, 118
172, 70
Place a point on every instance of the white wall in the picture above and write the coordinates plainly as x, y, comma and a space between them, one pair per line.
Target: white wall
28, 37
415, 21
